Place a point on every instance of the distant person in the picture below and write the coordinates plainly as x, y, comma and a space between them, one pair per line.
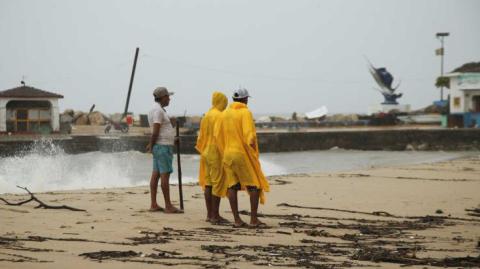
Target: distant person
237, 138
211, 170
161, 147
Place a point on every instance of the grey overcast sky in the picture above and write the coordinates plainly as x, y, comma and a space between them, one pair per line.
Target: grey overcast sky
294, 55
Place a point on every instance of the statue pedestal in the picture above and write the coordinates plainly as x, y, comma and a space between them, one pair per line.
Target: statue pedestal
385, 108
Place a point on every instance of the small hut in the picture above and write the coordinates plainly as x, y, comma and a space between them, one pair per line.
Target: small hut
27, 109
465, 95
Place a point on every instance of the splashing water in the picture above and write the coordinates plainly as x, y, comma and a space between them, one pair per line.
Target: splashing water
45, 166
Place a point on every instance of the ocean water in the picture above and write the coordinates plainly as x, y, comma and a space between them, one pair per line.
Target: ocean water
46, 167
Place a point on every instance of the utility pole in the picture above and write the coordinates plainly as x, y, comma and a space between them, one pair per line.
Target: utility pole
441, 52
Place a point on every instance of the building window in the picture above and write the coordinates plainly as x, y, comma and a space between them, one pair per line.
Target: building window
456, 102
22, 120
29, 116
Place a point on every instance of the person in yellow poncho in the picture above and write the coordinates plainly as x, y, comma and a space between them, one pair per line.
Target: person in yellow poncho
211, 170
236, 137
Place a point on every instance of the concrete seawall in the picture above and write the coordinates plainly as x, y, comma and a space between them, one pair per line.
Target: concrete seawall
448, 139
440, 139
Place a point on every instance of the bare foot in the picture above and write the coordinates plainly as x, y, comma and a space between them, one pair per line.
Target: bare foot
155, 209
240, 224
209, 218
173, 210
258, 224
219, 220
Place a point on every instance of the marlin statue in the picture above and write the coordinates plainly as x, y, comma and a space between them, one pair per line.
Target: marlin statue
384, 80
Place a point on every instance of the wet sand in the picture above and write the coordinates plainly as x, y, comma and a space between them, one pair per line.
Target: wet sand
421, 215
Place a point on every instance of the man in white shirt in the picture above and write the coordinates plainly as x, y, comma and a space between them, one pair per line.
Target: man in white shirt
161, 147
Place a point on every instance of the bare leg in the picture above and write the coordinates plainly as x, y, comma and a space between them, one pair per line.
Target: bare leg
232, 198
153, 190
208, 202
169, 208
216, 209
254, 197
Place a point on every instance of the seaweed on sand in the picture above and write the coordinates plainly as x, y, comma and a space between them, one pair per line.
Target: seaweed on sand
407, 257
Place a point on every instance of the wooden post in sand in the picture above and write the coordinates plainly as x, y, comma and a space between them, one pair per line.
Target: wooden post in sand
179, 166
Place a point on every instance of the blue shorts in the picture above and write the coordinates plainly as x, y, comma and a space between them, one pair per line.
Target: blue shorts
162, 158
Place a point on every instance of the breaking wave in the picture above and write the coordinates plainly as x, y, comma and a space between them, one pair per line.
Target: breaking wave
46, 167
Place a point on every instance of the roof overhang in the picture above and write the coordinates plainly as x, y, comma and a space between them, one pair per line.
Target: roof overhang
28, 92
452, 75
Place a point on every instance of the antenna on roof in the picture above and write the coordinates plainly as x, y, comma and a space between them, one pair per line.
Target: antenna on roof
23, 81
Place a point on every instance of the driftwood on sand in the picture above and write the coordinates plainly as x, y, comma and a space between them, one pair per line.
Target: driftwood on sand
40, 203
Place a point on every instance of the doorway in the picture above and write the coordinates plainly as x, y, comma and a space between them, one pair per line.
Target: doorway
476, 103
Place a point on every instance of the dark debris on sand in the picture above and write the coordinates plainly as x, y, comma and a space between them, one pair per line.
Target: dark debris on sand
346, 243
474, 212
17, 258
108, 255
160, 257
373, 240
407, 257
273, 253
169, 234
316, 255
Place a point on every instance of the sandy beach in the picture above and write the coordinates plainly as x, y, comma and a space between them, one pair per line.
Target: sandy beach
423, 215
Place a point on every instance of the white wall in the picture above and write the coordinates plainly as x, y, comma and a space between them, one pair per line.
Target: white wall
457, 100
462, 89
3, 115
55, 115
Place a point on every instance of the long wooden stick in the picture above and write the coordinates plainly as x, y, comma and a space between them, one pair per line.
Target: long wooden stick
179, 166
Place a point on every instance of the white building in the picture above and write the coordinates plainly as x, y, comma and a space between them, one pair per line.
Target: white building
29, 110
465, 94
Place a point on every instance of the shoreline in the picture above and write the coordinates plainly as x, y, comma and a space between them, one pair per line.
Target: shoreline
274, 164
348, 219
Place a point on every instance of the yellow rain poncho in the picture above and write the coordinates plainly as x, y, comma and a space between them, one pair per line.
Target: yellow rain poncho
237, 139
211, 171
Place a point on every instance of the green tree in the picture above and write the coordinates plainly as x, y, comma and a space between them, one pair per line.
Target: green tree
443, 82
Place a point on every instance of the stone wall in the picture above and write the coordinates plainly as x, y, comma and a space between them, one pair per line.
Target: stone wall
448, 139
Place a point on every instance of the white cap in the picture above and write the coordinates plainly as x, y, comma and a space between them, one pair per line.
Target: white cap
240, 93
160, 92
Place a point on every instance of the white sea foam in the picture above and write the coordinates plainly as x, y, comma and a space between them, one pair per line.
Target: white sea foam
47, 167
270, 168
